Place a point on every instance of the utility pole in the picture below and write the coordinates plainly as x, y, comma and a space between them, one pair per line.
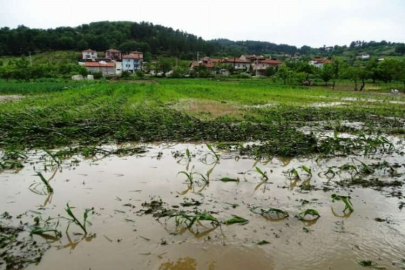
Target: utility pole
257, 64
198, 56
30, 58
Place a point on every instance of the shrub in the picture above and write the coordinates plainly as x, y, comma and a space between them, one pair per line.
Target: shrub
140, 74
83, 71
98, 75
244, 75
125, 74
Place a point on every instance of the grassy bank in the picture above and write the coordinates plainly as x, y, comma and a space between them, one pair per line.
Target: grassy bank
60, 114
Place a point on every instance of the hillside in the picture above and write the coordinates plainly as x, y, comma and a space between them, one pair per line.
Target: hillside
161, 40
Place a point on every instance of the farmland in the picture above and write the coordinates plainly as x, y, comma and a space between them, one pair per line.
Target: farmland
200, 174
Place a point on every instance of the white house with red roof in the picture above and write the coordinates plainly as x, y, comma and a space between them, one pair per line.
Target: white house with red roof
261, 65
319, 62
237, 63
89, 55
252, 57
107, 68
113, 54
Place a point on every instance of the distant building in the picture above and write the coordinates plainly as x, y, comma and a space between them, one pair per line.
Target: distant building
89, 55
113, 54
252, 57
261, 65
210, 64
237, 63
206, 61
107, 69
118, 68
364, 56
132, 62
319, 62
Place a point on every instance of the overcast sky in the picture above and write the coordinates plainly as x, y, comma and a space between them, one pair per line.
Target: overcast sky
295, 22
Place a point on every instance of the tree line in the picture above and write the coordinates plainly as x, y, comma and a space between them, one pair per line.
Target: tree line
150, 38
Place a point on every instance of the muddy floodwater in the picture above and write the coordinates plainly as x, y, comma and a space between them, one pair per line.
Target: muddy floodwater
123, 232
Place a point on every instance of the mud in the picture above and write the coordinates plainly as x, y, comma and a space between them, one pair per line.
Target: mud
121, 237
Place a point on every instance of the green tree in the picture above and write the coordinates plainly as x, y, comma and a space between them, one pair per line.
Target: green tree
82, 45
284, 73
326, 73
165, 65
337, 66
357, 73
83, 71
400, 49
269, 71
140, 74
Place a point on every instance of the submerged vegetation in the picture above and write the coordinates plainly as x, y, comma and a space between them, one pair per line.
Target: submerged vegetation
257, 155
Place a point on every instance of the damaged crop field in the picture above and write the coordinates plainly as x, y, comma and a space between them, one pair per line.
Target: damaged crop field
200, 174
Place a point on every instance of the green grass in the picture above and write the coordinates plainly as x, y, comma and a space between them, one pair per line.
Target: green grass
39, 87
54, 57
62, 113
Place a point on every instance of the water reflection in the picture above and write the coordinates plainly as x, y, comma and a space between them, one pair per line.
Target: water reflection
72, 244
343, 215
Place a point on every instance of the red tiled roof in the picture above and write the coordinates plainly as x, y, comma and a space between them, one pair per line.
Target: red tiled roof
97, 64
234, 60
206, 64
270, 61
133, 56
322, 60
89, 50
250, 56
112, 50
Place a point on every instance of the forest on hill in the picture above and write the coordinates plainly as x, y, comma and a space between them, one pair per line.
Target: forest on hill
161, 40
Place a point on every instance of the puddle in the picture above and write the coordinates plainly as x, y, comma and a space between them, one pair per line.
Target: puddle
371, 100
328, 104
7, 98
260, 106
124, 238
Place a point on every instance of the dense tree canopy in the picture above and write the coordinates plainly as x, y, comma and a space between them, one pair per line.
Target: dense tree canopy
155, 39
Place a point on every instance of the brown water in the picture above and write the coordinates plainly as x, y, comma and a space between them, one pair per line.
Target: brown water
126, 240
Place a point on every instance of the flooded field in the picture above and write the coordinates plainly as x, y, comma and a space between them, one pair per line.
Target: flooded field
193, 206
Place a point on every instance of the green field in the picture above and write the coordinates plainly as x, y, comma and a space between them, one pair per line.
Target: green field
51, 114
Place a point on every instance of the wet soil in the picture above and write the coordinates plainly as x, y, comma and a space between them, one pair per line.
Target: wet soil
122, 236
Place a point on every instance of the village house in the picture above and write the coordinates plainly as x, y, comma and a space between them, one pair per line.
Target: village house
319, 62
261, 65
210, 64
113, 54
132, 62
364, 56
206, 61
106, 68
237, 63
89, 55
252, 57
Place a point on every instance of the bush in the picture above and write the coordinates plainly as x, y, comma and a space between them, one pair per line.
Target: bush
139, 74
125, 74
98, 75
83, 71
244, 75
269, 71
